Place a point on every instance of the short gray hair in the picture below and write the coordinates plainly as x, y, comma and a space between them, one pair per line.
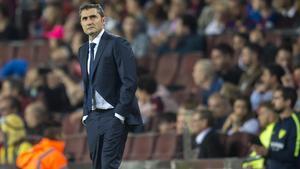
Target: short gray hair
85, 6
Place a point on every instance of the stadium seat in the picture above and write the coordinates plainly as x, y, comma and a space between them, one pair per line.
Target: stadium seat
25, 50
142, 146
75, 146
238, 144
165, 148
6, 52
167, 68
184, 77
128, 147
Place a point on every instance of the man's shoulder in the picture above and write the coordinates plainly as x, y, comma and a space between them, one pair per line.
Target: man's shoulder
116, 38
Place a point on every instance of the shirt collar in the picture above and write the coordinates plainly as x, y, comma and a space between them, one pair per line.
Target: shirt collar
200, 137
98, 38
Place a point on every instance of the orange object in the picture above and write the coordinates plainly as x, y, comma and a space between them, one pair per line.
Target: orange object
47, 154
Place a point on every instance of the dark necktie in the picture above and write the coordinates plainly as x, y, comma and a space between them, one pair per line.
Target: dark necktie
91, 89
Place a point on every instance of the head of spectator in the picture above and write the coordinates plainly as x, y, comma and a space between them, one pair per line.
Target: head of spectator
60, 57
52, 14
271, 77
12, 87
167, 123
130, 27
206, 79
240, 39
36, 116
34, 81
266, 114
134, 7
9, 105
250, 55
257, 36
177, 8
203, 73
184, 114
221, 57
220, 108
186, 25
201, 120
284, 100
147, 86
284, 57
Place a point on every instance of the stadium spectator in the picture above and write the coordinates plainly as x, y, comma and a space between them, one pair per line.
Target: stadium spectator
35, 117
222, 59
207, 142
151, 106
220, 108
7, 28
257, 36
206, 79
241, 119
219, 21
249, 62
139, 41
284, 58
185, 38
262, 14
12, 131
48, 153
267, 118
271, 78
283, 152
167, 123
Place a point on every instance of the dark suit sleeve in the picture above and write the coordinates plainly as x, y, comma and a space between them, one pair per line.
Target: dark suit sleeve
211, 147
126, 66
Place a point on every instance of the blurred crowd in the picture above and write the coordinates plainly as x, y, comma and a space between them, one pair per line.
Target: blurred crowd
243, 84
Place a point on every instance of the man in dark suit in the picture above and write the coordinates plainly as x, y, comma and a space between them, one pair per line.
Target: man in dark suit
207, 141
109, 75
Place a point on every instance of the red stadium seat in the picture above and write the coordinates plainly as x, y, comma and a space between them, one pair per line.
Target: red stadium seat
167, 68
184, 77
142, 146
165, 148
128, 147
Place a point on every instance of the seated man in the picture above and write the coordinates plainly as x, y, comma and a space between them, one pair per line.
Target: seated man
207, 141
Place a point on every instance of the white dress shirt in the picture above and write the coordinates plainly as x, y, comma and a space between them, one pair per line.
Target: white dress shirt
200, 137
98, 102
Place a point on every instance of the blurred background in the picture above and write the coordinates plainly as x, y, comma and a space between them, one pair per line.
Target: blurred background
203, 65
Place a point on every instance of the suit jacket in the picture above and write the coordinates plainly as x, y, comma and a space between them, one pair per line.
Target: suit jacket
114, 76
211, 146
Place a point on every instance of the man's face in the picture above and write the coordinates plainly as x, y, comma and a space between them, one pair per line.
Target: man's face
266, 77
91, 21
278, 101
198, 74
217, 59
5, 107
197, 124
263, 116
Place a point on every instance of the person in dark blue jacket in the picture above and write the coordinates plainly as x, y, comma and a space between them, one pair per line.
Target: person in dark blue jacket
283, 151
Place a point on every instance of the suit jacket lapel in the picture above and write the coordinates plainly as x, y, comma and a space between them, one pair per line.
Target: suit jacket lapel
100, 50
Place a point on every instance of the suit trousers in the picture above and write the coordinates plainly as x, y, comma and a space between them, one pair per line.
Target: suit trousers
106, 136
